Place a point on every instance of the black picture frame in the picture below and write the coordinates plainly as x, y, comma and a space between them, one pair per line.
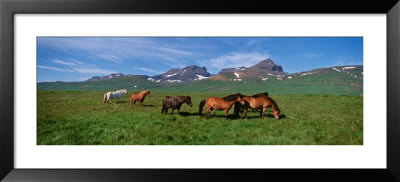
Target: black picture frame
8, 8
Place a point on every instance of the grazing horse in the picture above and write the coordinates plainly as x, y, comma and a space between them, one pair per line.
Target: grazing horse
139, 97
117, 94
261, 103
215, 103
264, 94
175, 103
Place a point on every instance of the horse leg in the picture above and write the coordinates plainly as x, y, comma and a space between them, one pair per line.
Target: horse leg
172, 111
226, 113
263, 111
245, 113
208, 110
166, 111
162, 109
211, 109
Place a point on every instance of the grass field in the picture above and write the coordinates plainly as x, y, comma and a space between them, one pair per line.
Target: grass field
80, 118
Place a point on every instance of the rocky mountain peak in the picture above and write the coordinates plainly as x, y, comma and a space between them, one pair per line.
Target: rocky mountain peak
186, 74
268, 65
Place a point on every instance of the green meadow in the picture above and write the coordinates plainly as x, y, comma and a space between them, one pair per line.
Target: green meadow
79, 117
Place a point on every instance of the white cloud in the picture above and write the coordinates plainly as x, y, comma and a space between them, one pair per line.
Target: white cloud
174, 51
110, 57
63, 62
234, 59
54, 68
94, 70
118, 49
147, 70
311, 55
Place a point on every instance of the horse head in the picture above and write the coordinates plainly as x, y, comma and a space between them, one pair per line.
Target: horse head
189, 101
148, 93
276, 113
240, 99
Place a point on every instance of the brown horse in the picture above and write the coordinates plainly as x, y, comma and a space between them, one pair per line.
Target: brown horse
215, 103
227, 98
175, 103
139, 97
237, 105
261, 103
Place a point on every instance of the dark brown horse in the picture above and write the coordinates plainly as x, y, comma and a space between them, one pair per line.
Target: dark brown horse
175, 103
260, 103
215, 103
139, 97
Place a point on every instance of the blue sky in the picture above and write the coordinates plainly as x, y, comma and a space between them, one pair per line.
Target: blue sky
80, 58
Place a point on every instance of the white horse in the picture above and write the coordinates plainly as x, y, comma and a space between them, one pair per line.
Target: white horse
117, 94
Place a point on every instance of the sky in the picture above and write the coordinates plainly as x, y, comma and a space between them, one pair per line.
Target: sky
80, 58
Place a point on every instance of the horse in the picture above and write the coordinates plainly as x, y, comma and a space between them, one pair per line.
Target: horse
117, 94
264, 94
139, 97
227, 98
260, 103
175, 103
215, 103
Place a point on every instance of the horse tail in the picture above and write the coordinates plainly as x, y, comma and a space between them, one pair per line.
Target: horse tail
201, 105
105, 98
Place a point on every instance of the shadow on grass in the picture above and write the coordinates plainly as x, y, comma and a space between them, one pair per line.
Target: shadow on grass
116, 102
281, 116
230, 116
135, 105
188, 114
148, 105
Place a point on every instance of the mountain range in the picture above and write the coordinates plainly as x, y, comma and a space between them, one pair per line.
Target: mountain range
195, 73
263, 76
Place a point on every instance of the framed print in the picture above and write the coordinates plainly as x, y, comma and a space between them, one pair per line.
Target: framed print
113, 90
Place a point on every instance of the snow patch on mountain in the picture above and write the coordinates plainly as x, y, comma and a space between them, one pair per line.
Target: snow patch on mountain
173, 81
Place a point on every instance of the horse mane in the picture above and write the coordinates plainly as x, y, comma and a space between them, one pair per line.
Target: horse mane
144, 92
264, 94
233, 97
274, 106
